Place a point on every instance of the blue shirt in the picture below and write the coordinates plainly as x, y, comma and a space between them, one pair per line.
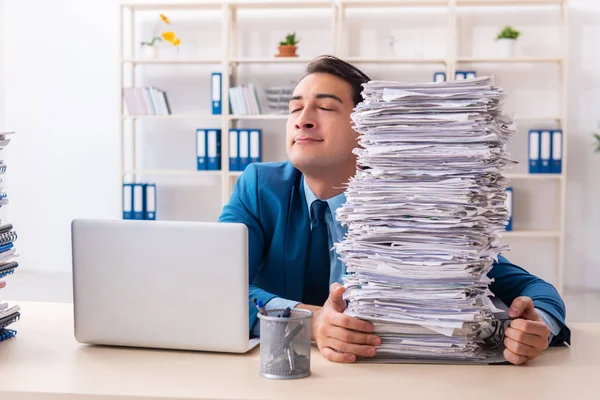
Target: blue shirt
336, 233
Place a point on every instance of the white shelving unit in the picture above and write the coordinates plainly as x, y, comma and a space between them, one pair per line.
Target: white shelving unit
230, 60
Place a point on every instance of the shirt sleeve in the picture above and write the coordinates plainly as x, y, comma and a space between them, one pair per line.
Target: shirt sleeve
551, 322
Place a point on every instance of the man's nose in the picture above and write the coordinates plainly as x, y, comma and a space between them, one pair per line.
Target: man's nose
306, 121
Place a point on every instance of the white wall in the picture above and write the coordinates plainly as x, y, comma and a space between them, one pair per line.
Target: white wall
62, 98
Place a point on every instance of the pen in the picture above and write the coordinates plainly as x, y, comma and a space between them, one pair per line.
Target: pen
261, 307
286, 313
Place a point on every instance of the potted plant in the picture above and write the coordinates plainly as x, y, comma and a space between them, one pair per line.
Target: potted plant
507, 39
149, 48
287, 47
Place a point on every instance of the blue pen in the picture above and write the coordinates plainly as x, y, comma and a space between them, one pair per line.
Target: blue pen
286, 313
260, 306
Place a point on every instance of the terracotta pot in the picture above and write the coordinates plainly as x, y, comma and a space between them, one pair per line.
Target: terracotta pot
287, 51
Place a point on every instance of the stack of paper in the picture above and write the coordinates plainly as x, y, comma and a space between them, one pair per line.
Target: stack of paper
424, 212
9, 313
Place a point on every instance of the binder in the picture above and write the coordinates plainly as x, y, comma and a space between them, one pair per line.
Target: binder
8, 237
138, 201
556, 165
534, 151
201, 163
470, 74
127, 201
234, 147
255, 145
244, 149
439, 77
460, 75
213, 149
545, 151
216, 88
150, 197
509, 202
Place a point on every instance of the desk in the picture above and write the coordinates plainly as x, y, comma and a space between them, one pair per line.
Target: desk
44, 362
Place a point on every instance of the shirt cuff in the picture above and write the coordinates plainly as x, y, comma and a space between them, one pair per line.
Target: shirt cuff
276, 303
551, 322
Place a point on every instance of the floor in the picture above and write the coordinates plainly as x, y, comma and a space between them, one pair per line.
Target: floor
582, 305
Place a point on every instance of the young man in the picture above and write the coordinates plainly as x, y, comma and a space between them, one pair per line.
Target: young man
289, 209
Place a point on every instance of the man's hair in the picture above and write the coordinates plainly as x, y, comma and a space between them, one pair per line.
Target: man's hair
327, 64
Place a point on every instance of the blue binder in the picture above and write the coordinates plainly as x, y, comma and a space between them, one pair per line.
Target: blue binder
127, 201
216, 90
534, 151
545, 151
244, 138
138, 201
460, 75
556, 165
234, 148
213, 149
201, 163
439, 77
509, 202
255, 145
150, 201
470, 74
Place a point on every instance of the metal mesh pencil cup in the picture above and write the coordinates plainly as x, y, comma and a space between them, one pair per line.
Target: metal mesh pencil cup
285, 344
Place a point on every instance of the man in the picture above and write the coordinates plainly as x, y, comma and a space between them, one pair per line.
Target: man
289, 209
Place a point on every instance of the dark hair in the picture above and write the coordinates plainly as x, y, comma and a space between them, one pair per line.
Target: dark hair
328, 64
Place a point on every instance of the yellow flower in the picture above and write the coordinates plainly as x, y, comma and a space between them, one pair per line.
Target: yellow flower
169, 36
165, 19
176, 42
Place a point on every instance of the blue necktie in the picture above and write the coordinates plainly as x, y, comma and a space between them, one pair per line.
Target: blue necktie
316, 275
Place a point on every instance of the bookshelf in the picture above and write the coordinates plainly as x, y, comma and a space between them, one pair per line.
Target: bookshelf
230, 61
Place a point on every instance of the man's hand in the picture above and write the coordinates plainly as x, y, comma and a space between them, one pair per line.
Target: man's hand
339, 337
527, 335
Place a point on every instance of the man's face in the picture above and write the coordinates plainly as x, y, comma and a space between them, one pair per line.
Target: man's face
319, 134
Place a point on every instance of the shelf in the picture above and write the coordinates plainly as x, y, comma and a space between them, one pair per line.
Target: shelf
171, 61
260, 116
197, 5
394, 3
530, 234
507, 60
235, 174
171, 172
538, 118
508, 2
172, 116
538, 177
375, 60
281, 4
271, 60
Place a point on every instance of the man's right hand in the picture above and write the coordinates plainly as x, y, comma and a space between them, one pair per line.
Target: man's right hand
341, 338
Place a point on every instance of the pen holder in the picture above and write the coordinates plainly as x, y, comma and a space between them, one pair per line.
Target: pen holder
285, 344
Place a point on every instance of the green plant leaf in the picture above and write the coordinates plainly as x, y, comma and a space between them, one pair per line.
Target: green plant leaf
508, 33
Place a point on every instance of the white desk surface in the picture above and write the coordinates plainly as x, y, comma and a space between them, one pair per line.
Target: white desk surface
45, 362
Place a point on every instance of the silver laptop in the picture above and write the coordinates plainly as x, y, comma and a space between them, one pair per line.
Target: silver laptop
175, 285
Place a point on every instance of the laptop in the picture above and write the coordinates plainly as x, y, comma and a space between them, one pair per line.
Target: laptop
161, 284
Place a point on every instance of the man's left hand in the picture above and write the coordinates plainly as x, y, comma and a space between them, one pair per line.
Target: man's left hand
527, 335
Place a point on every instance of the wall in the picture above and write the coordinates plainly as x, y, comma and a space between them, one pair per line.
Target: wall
62, 98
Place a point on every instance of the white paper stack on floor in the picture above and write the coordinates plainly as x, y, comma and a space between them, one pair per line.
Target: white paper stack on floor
424, 217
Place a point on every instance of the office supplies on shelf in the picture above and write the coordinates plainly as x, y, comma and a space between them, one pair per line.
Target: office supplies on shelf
147, 100
150, 201
255, 145
216, 88
244, 100
127, 201
556, 165
138, 201
439, 77
244, 139
420, 276
534, 151
213, 149
234, 148
201, 161
462, 75
545, 151
509, 204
